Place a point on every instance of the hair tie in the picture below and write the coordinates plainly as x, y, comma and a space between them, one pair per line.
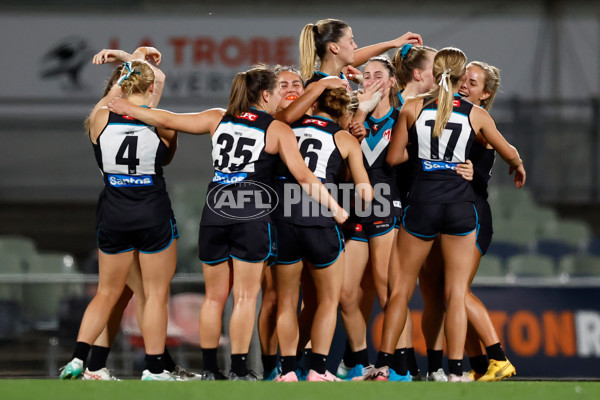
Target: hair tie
444, 81
405, 49
130, 71
315, 29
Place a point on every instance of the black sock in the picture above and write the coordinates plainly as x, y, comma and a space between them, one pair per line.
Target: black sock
269, 362
81, 351
411, 359
318, 362
238, 364
400, 362
495, 352
209, 358
169, 363
303, 357
360, 357
98, 358
155, 363
288, 364
479, 364
349, 360
383, 359
434, 360
455, 367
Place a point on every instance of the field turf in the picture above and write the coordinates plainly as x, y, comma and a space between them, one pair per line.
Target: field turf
45, 389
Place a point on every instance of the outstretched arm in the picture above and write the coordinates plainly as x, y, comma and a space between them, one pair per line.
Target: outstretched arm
106, 56
194, 123
363, 54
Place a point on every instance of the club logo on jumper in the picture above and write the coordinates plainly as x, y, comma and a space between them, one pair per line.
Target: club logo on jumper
227, 179
315, 121
437, 165
387, 135
129, 181
248, 115
242, 201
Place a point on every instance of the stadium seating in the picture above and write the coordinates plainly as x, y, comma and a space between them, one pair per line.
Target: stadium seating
531, 266
576, 233
521, 233
490, 267
185, 311
188, 200
506, 200
11, 263
580, 265
41, 301
17, 245
554, 248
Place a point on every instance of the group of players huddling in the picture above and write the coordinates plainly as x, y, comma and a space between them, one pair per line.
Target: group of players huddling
418, 129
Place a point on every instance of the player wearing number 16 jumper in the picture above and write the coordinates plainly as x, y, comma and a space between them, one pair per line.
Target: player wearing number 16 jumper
236, 238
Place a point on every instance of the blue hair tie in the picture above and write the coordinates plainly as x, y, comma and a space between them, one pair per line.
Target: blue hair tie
130, 71
405, 49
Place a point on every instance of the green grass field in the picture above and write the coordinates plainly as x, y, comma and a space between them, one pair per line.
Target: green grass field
133, 389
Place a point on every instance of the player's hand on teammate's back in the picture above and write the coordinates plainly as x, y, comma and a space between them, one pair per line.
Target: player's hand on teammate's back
466, 170
120, 106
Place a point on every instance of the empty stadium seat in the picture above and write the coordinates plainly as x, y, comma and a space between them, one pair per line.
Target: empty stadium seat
503, 250
580, 265
576, 233
531, 265
185, 311
41, 301
490, 266
506, 200
17, 245
521, 233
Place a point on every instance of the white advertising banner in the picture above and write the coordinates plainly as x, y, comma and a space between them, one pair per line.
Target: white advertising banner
47, 58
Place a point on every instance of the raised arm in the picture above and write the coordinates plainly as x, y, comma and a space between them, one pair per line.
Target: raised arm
363, 54
194, 123
159, 84
106, 56
281, 140
302, 104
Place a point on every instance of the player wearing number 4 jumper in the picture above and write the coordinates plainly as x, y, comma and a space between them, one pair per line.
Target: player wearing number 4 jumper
134, 213
236, 243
